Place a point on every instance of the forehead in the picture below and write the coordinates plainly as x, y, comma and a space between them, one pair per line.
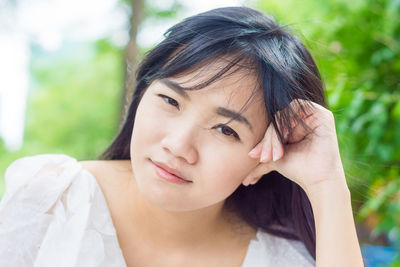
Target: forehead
234, 86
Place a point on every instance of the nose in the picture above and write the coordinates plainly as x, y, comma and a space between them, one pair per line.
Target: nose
179, 140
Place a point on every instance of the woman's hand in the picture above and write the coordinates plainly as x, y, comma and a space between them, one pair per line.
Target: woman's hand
310, 158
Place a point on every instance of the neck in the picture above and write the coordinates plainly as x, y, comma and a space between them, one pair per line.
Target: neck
171, 229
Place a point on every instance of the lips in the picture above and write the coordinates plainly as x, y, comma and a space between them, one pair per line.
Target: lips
170, 170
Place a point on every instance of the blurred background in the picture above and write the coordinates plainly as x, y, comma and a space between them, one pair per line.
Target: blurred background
66, 68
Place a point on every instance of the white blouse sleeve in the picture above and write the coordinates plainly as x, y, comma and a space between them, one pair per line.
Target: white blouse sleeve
267, 250
54, 214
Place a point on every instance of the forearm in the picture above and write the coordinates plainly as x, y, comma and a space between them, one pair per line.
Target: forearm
336, 237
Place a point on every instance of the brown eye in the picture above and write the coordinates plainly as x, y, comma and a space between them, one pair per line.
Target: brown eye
169, 100
228, 131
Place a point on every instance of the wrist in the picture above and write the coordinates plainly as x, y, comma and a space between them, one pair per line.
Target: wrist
331, 189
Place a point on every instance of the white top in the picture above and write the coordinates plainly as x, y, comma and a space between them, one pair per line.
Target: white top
54, 213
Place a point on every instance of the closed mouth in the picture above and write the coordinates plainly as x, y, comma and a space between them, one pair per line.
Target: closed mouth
171, 171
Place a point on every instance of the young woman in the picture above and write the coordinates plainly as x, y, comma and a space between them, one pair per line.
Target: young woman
227, 157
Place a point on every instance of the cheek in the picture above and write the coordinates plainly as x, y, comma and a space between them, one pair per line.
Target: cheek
146, 128
227, 168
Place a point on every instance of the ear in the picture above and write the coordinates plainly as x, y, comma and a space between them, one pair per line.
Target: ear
251, 181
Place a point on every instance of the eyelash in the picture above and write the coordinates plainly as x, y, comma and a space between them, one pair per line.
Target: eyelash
176, 104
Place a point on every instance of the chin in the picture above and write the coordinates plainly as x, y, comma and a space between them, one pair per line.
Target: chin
161, 194
168, 202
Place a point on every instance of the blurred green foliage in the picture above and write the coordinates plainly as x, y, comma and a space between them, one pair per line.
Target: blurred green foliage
73, 104
75, 98
357, 47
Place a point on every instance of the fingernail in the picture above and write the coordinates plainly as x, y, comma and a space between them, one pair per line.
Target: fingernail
275, 156
263, 156
254, 153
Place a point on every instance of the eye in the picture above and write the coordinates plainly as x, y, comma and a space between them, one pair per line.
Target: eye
169, 100
228, 131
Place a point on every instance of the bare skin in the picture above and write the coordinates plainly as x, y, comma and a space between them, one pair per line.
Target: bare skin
313, 162
161, 224
214, 242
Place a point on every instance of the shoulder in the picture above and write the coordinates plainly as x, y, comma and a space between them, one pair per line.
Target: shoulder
52, 207
32, 164
54, 173
40, 179
31, 171
270, 250
106, 172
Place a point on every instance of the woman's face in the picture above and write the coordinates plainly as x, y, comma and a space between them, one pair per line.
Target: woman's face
182, 130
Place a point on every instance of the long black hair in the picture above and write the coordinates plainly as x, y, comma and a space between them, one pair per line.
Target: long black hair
285, 70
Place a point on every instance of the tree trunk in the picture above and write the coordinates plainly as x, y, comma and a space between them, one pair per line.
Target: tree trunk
131, 57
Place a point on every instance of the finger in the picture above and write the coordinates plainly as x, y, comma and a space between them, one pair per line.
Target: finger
299, 132
256, 151
300, 125
271, 148
285, 129
318, 123
266, 153
258, 172
277, 147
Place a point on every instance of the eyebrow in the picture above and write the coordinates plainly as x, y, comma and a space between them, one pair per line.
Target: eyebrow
234, 115
176, 87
